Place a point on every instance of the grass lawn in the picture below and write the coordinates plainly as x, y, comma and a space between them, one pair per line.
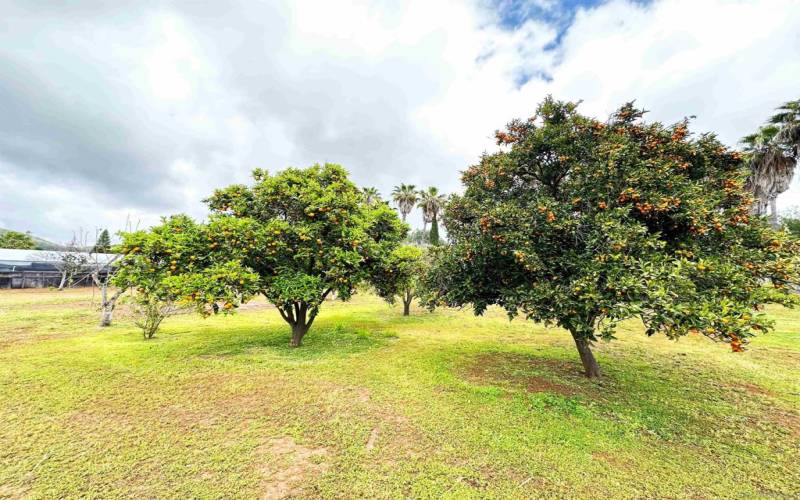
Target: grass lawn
378, 405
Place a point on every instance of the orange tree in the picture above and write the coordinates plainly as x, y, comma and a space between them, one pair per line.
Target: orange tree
306, 233
584, 224
171, 266
400, 276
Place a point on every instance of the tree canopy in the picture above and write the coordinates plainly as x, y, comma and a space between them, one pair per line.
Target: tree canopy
405, 196
584, 224
306, 233
431, 202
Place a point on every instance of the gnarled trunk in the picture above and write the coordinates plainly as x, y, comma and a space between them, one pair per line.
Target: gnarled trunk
590, 367
300, 319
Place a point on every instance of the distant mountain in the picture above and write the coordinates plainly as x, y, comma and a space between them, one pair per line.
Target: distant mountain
41, 244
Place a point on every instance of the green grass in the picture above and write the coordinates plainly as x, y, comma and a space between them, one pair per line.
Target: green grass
378, 405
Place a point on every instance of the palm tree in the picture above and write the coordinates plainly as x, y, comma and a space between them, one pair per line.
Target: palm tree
405, 196
371, 195
774, 152
431, 202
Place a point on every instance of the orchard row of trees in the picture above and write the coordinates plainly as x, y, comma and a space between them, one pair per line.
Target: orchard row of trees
573, 222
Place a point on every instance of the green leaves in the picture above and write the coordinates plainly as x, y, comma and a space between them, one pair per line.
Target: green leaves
218, 288
293, 237
304, 232
584, 224
400, 273
17, 240
182, 263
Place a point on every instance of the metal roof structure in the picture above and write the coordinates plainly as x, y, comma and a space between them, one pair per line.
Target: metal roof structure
21, 257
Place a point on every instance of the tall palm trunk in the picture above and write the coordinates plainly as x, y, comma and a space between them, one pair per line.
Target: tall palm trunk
773, 216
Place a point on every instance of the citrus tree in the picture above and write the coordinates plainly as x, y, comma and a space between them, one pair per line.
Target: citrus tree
306, 233
172, 266
401, 275
584, 224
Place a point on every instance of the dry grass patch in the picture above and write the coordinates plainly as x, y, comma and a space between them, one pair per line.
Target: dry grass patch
519, 371
287, 467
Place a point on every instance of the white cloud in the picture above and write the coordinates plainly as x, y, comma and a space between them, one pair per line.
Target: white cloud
145, 113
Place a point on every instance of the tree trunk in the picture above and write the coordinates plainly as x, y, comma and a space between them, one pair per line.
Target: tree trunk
299, 331
107, 304
300, 317
407, 303
105, 310
773, 212
590, 367
106, 316
63, 281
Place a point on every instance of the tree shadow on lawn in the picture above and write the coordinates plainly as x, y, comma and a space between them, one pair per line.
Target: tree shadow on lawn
322, 341
683, 403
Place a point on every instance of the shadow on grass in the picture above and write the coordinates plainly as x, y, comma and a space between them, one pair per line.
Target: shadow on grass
322, 341
685, 403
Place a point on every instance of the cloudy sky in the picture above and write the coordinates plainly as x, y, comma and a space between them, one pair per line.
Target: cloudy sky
109, 112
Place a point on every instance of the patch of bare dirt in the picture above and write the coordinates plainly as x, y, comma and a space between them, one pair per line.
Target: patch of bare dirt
286, 466
785, 420
520, 371
612, 459
752, 389
60, 306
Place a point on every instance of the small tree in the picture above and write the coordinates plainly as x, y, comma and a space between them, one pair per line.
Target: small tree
434, 235
103, 243
307, 233
103, 270
584, 224
17, 240
418, 237
71, 261
172, 266
401, 276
